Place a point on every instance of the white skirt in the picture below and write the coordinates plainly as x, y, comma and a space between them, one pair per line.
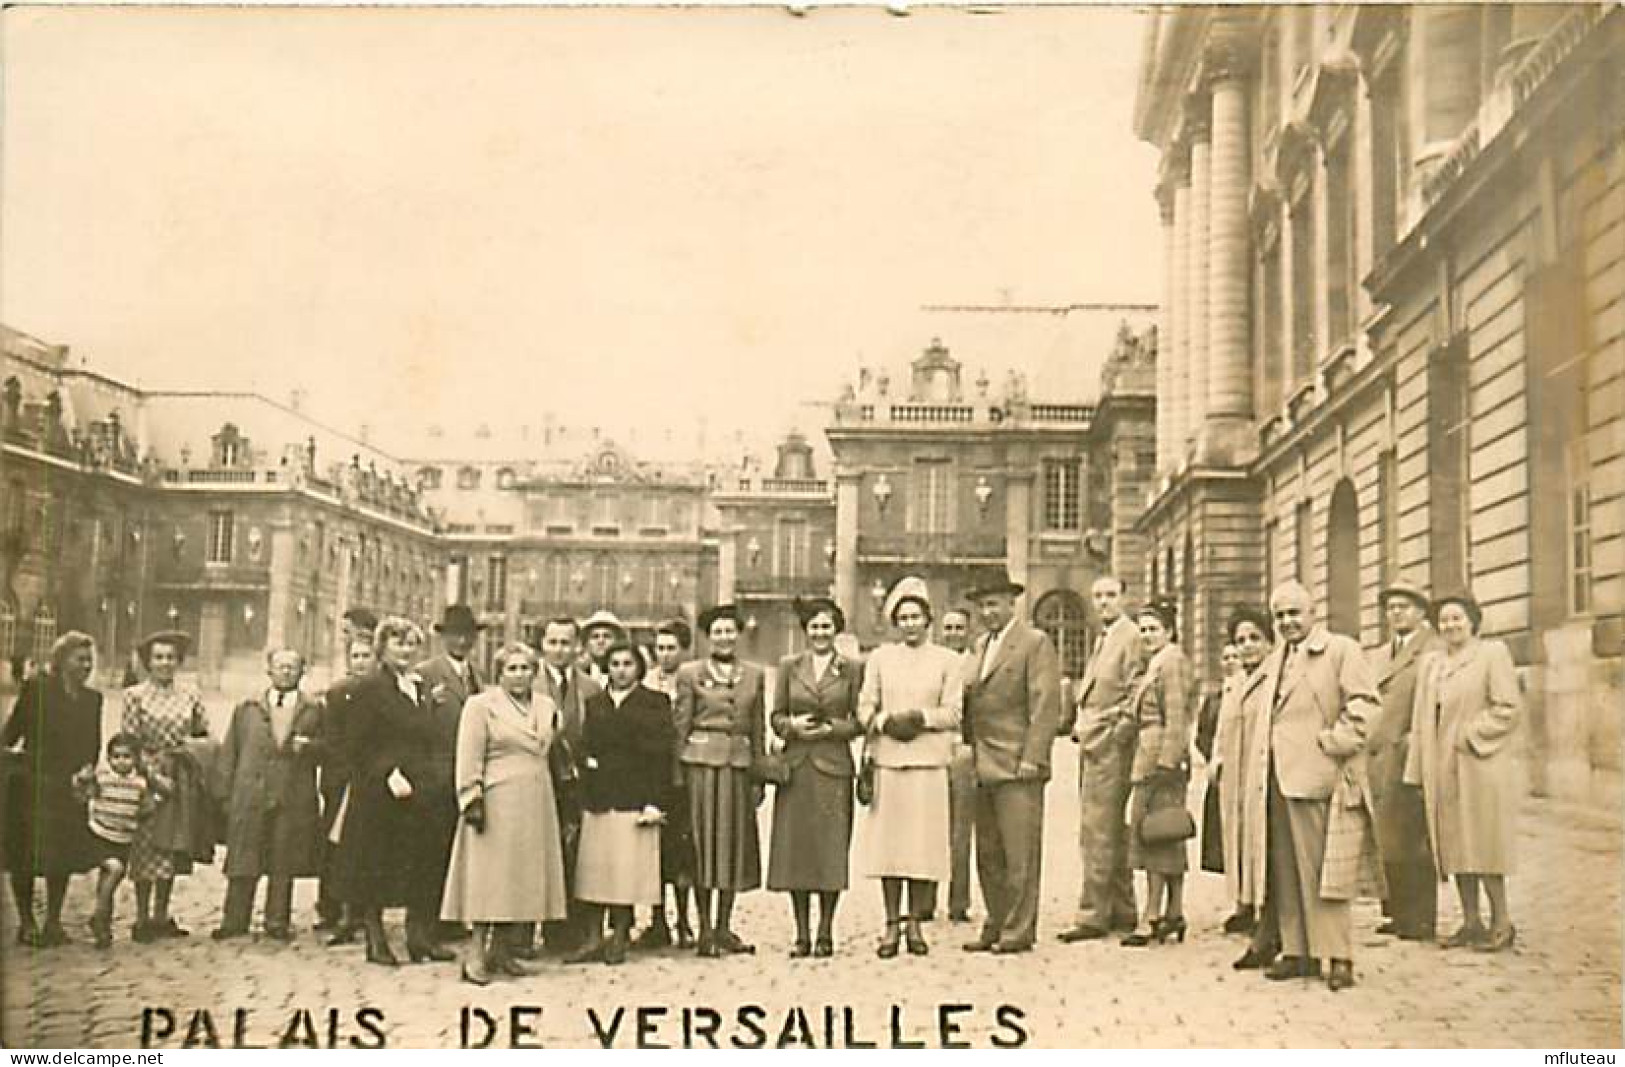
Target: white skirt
618, 861
906, 830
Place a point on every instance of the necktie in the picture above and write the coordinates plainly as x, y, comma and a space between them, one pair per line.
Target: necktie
1286, 663
1399, 645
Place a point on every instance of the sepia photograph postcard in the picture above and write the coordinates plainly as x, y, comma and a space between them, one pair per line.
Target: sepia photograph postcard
811, 526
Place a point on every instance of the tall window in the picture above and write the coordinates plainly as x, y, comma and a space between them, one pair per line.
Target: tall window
8, 630
1062, 494
1271, 351
1579, 531
605, 580
932, 504
496, 583
44, 633
1272, 541
222, 526
1305, 545
1390, 136
1342, 278
1061, 614
17, 509
1304, 277
792, 562
558, 581
1388, 516
605, 512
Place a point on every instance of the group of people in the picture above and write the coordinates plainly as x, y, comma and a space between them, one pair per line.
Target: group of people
1333, 773
541, 809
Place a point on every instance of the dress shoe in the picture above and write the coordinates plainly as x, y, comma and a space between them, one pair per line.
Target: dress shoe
801, 949
53, 935
1288, 967
1241, 921
685, 937
824, 948
506, 964
706, 948
615, 948
227, 933
916, 940
170, 928
429, 952
1165, 928
1012, 948
1498, 940
890, 941
343, 935
1416, 933
729, 944
1253, 960
981, 944
279, 933
524, 951
1341, 975
1390, 927
378, 950
655, 937
1466, 937
1082, 932
1140, 938
101, 930
141, 932
475, 972
592, 952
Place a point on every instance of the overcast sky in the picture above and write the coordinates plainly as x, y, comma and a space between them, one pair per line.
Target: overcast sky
621, 216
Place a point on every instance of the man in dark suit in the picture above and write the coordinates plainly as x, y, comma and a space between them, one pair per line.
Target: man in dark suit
448, 680
1402, 833
1012, 709
569, 688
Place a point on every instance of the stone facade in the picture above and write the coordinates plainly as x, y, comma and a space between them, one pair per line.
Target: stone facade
1403, 355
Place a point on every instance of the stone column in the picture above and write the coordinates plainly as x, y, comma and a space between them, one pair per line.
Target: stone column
279, 603
211, 644
1018, 497
1165, 333
847, 501
727, 566
1196, 262
1179, 394
1229, 406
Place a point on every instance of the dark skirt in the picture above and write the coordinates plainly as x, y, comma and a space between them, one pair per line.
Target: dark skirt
46, 832
812, 832
391, 852
723, 813
1167, 857
677, 841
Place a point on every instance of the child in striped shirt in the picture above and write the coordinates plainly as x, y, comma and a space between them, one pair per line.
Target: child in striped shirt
118, 800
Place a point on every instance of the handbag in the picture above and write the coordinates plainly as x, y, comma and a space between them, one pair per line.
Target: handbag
1166, 826
865, 784
770, 768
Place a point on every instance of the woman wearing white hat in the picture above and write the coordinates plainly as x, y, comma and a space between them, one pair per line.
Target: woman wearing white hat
910, 705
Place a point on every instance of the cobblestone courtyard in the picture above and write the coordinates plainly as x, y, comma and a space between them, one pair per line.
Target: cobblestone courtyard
1559, 988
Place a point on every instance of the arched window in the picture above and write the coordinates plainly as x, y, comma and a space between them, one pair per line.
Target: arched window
1343, 561
1061, 614
505, 478
468, 478
428, 477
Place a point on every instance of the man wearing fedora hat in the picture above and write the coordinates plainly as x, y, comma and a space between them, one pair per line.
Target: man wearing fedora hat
1012, 709
1402, 833
449, 679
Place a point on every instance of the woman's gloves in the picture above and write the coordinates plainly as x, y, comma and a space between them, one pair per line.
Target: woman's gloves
400, 786
905, 725
474, 815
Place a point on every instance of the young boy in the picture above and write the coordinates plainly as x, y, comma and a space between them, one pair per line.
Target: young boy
118, 800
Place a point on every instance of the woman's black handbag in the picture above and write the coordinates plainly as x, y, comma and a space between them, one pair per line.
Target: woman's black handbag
1167, 825
866, 780
1212, 830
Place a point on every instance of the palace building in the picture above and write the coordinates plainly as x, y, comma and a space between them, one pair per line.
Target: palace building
1394, 326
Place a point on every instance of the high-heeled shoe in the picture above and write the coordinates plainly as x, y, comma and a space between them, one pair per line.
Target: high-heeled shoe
1498, 940
824, 947
1466, 937
730, 944
887, 948
1175, 928
1241, 922
1253, 960
475, 972
801, 949
915, 939
707, 946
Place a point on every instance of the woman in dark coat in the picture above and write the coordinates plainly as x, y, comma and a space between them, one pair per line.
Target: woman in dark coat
58, 719
626, 746
388, 854
816, 713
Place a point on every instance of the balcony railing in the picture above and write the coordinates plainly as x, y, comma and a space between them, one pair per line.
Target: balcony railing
932, 413
779, 585
931, 547
1080, 413
579, 607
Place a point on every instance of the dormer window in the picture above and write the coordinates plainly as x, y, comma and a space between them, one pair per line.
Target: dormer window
505, 478
468, 478
428, 477
230, 447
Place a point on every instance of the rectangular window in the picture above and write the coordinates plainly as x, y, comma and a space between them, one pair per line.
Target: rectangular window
17, 509
1579, 531
1305, 547
1389, 150
792, 561
1062, 494
496, 583
222, 526
1342, 281
1271, 354
1304, 280
1388, 516
932, 497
